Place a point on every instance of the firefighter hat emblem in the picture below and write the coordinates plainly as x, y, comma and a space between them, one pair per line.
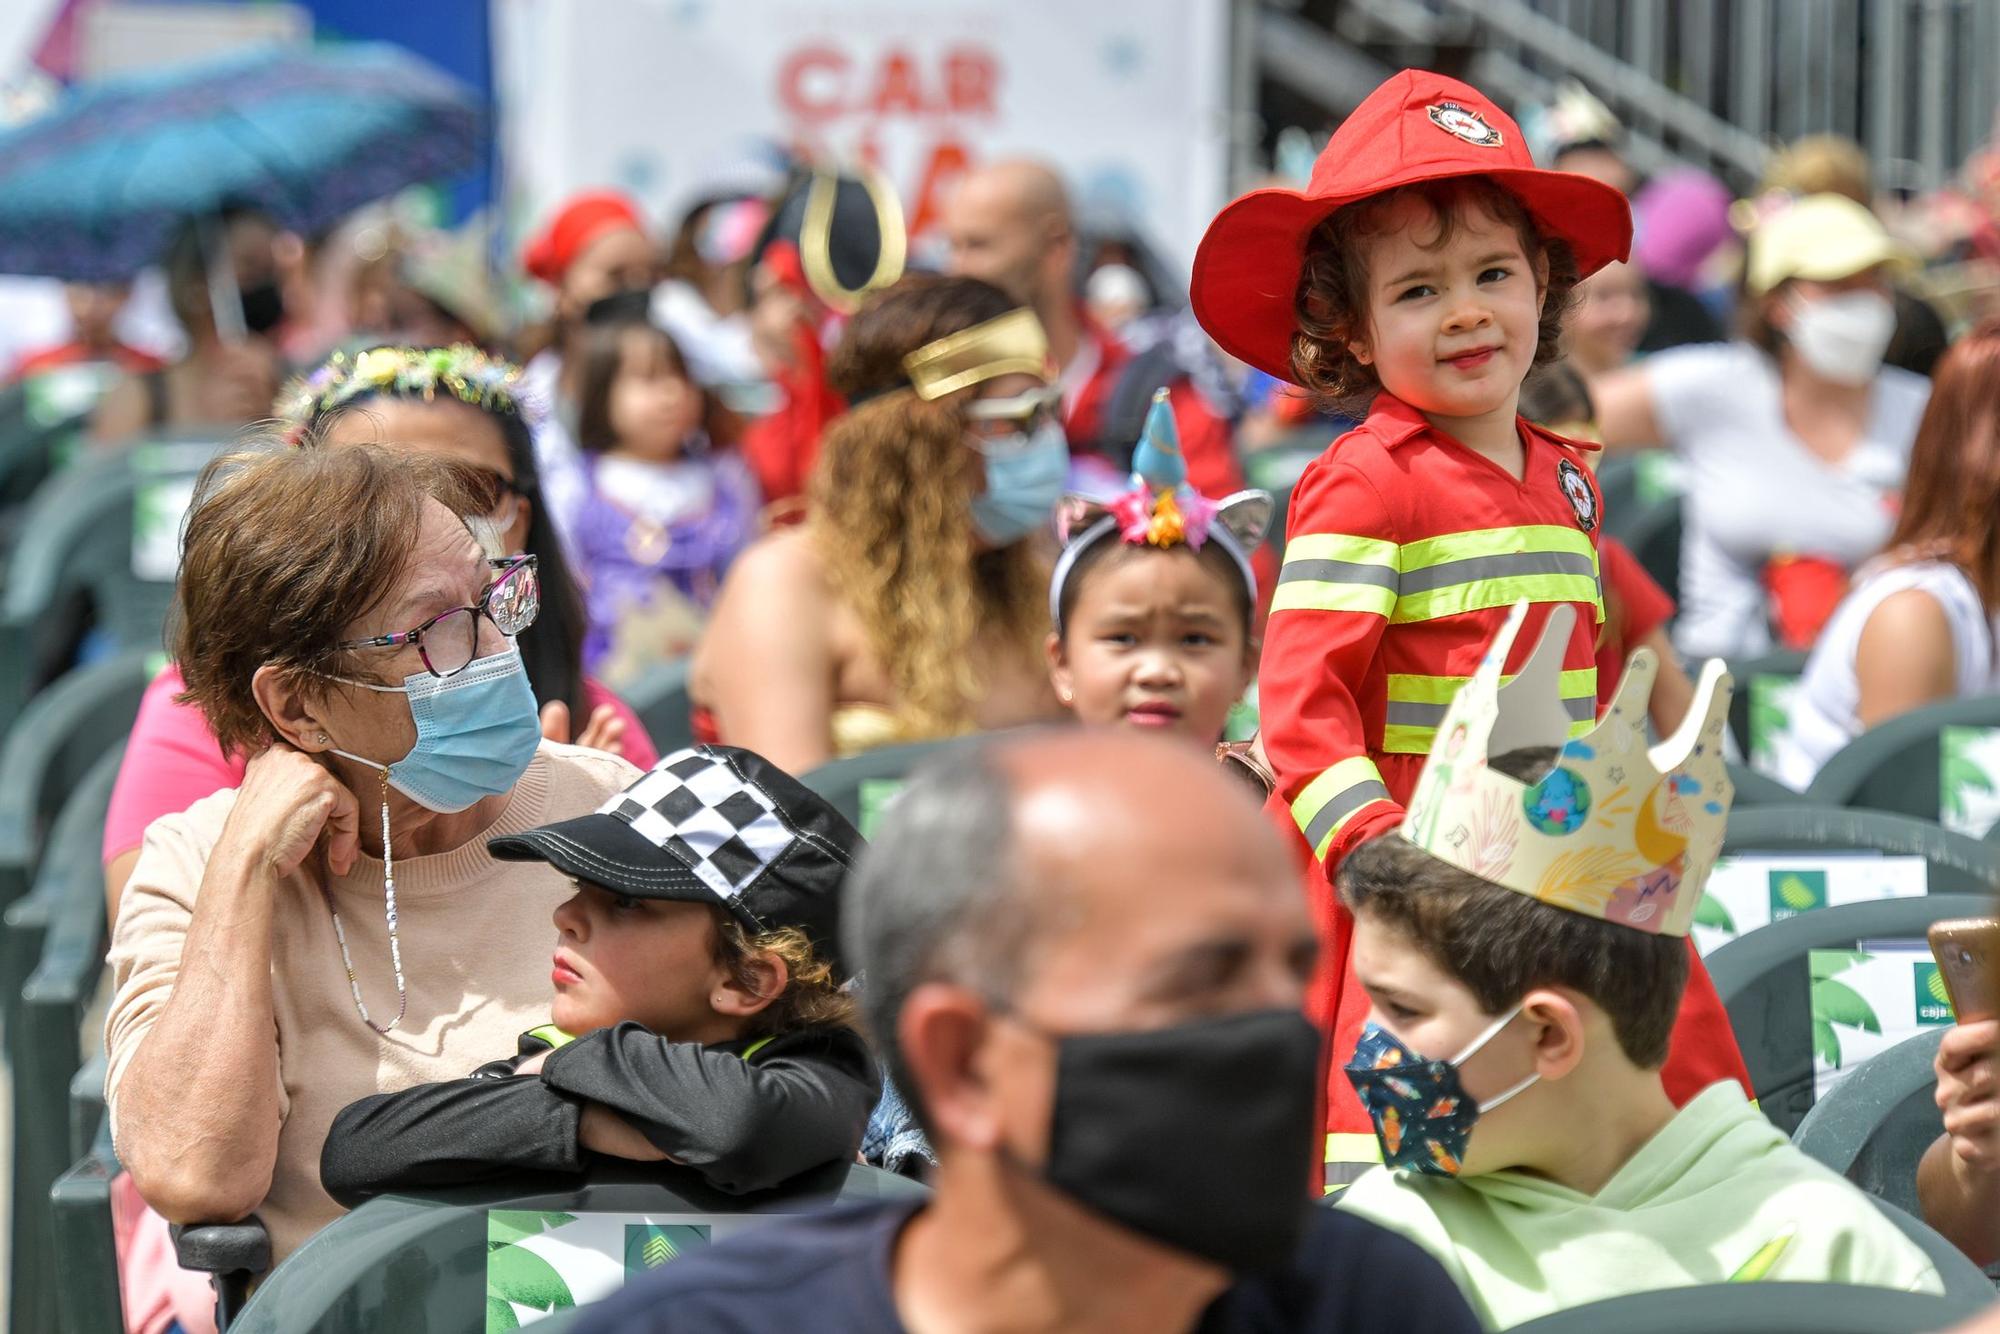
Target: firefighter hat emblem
1461, 120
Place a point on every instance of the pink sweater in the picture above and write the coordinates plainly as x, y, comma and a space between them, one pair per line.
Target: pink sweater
172, 760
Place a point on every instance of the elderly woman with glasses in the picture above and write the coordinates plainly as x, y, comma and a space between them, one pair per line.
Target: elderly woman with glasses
450, 402
913, 602
334, 927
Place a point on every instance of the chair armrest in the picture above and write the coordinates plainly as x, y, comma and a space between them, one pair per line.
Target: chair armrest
224, 1248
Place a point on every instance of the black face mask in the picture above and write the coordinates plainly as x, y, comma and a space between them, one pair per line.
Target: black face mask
263, 307
1199, 1136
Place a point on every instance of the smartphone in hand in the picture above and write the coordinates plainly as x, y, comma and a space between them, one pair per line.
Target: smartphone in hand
1967, 951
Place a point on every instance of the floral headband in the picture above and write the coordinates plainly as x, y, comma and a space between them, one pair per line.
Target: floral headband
1161, 510
460, 371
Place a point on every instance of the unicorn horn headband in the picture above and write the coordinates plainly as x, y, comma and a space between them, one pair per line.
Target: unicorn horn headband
1160, 509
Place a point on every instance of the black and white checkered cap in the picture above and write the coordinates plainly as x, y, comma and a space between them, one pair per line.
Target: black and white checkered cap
711, 824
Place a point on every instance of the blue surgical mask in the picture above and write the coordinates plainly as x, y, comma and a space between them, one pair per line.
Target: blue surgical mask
1423, 1115
477, 730
1025, 476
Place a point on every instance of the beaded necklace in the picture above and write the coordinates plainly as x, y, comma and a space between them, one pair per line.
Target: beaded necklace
395, 945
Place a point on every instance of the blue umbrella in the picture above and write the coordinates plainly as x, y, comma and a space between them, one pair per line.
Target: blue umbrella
97, 188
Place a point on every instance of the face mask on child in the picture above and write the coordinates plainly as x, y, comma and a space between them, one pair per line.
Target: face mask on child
1842, 338
1423, 1115
1025, 474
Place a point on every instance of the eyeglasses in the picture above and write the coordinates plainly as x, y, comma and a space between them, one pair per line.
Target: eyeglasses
1000, 421
448, 641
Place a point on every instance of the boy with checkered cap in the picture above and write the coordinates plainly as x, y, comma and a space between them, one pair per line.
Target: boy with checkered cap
699, 1014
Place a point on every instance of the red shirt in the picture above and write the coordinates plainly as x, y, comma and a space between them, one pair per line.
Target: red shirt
1404, 553
1642, 607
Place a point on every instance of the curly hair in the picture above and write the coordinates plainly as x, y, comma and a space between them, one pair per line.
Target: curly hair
891, 501
812, 998
1331, 303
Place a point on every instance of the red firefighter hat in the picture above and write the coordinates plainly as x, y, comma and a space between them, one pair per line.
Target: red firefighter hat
1418, 126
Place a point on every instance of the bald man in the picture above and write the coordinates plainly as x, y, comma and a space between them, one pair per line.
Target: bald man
1009, 222
1085, 955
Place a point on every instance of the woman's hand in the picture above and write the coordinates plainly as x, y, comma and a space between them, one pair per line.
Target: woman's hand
287, 805
604, 730
1967, 1094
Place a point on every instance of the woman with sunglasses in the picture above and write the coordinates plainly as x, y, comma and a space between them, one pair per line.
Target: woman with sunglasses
328, 928
912, 602
455, 403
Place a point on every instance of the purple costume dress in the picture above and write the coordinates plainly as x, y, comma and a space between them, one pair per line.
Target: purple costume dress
631, 547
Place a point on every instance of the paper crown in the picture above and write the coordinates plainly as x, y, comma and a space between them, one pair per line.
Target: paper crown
1614, 830
1160, 509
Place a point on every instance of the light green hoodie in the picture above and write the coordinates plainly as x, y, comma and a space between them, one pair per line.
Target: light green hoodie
1718, 1194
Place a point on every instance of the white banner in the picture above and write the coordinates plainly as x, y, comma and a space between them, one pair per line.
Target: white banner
1127, 98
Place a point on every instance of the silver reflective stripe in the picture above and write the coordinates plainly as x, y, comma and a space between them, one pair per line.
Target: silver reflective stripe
1402, 713
1343, 804
1473, 569
1337, 572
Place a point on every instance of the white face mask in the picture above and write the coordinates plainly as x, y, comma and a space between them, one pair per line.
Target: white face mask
1842, 338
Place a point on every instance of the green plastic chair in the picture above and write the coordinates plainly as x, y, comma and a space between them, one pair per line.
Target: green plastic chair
60, 926
1747, 673
859, 784
86, 1252
1894, 766
661, 700
1876, 1123
1958, 864
410, 1262
1755, 789
1762, 1308
1654, 535
1763, 982
58, 737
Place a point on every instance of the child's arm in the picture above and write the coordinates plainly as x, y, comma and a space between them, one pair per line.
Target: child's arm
448, 1134
1335, 595
743, 1124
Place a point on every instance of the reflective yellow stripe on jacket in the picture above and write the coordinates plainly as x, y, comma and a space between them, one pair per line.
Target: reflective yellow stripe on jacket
1438, 576
1333, 798
1417, 706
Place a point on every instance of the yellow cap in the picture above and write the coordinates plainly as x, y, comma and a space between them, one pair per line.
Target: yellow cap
1822, 238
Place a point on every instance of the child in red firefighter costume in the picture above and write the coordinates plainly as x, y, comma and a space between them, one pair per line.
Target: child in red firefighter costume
1423, 272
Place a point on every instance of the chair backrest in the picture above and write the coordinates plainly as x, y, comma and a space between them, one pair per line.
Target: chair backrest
65, 906
447, 1260
1654, 534
859, 785
63, 732
1874, 1125
1757, 681
1763, 981
1958, 865
661, 700
1755, 789
1760, 1308
1895, 766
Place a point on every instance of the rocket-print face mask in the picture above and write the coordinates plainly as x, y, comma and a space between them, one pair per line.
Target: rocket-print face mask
1423, 1116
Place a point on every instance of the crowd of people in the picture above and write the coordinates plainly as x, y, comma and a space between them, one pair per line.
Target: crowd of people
1131, 1029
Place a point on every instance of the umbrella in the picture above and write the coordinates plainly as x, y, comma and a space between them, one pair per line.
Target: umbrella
97, 188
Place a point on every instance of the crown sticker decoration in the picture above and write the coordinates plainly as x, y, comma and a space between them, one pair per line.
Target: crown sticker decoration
1613, 829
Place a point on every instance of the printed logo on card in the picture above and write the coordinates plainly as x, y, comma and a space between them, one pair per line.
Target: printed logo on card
650, 1245
1794, 892
1933, 1001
